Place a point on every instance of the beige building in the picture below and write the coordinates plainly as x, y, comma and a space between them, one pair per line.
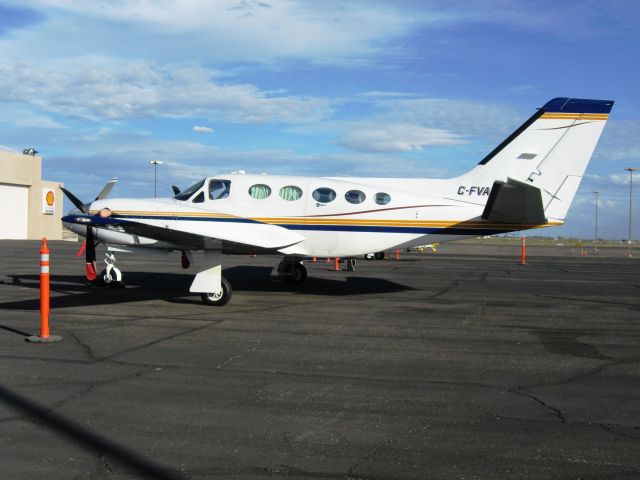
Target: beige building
30, 208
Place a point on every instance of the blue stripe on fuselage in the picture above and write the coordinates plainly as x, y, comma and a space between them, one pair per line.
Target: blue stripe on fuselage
103, 222
414, 230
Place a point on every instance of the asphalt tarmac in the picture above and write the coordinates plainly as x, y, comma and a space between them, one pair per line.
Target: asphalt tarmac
447, 365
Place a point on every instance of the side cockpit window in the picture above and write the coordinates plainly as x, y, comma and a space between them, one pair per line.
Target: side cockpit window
219, 189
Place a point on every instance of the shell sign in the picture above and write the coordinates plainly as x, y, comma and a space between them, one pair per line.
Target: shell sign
48, 201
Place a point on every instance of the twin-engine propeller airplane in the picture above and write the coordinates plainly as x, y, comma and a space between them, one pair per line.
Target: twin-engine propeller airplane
528, 181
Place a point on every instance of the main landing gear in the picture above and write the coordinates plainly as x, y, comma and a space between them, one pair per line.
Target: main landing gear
292, 271
213, 288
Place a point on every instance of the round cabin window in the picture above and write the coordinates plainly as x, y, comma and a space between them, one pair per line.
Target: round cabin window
355, 196
324, 195
260, 191
290, 193
382, 198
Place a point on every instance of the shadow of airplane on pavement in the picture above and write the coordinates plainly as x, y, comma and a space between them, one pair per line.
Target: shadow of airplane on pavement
74, 291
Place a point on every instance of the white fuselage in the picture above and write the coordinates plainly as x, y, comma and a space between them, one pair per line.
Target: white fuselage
347, 217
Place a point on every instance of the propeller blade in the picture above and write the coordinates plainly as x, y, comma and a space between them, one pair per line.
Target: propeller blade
104, 193
75, 200
175, 189
90, 255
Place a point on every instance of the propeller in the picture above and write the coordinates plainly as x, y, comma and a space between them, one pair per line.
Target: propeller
90, 255
83, 207
89, 245
106, 190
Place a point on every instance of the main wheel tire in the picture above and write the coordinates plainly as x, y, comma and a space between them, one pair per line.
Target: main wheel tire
292, 273
299, 274
218, 300
379, 255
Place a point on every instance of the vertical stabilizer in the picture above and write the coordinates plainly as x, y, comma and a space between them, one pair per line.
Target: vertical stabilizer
550, 151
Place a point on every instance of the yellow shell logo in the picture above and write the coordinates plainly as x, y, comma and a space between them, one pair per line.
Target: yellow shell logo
49, 198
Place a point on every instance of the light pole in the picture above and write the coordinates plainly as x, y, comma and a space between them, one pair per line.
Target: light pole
155, 164
630, 170
596, 193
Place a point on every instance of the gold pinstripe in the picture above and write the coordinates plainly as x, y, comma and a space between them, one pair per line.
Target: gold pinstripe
574, 116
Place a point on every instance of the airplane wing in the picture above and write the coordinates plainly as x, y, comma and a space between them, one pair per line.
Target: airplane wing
233, 235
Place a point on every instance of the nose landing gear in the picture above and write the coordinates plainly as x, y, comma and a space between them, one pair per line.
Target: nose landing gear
111, 276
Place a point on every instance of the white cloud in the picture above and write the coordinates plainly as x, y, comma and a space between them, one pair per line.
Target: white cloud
622, 179
126, 155
400, 137
102, 89
22, 116
403, 124
201, 129
620, 141
462, 116
524, 89
224, 30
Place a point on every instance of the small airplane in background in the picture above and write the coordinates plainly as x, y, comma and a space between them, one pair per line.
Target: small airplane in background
528, 181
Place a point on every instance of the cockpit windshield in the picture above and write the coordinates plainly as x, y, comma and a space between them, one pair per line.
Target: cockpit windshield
184, 195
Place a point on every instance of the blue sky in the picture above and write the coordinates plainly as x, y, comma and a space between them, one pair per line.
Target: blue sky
359, 88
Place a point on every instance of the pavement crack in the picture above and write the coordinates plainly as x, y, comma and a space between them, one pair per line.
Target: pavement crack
112, 358
104, 464
444, 291
581, 376
556, 412
240, 355
87, 389
610, 428
87, 349
589, 300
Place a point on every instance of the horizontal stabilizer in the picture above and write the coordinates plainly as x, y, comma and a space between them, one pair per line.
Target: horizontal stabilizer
514, 202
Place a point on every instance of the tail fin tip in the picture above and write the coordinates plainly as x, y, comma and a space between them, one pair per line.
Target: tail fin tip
577, 105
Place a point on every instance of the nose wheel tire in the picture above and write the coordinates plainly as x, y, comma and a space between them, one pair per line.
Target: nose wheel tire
218, 299
109, 277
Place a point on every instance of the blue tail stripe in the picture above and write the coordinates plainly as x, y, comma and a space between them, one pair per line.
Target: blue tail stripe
577, 105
